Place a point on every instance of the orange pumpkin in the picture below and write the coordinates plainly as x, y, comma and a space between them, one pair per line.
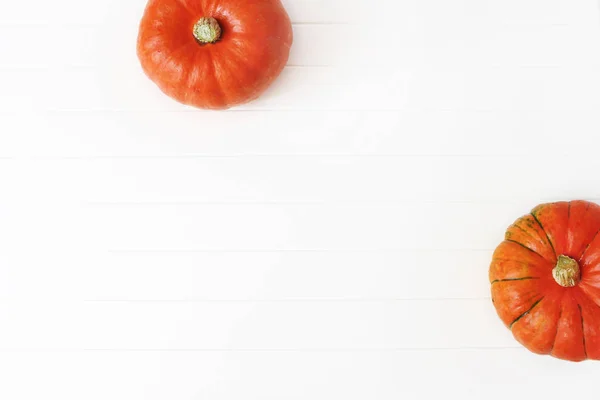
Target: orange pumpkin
545, 279
214, 53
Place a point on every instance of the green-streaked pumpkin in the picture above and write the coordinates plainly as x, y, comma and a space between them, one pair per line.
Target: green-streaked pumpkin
545, 279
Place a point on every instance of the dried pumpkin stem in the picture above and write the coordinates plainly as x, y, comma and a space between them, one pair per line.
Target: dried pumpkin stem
207, 30
566, 272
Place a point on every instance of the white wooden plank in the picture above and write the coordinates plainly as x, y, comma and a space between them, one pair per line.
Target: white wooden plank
293, 325
464, 374
118, 185
386, 180
307, 11
113, 12
42, 251
61, 374
423, 226
409, 132
95, 89
320, 89
287, 276
50, 324
44, 260
72, 12
468, 374
41, 246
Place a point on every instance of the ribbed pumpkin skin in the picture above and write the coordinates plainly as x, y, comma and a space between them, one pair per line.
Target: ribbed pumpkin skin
250, 55
544, 316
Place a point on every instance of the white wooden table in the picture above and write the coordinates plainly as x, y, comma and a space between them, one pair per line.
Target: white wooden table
328, 241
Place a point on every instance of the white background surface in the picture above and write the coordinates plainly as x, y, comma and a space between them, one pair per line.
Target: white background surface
328, 241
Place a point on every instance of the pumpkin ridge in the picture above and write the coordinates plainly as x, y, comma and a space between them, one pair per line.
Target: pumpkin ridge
588, 245
526, 312
582, 330
557, 323
524, 231
172, 57
211, 75
219, 85
505, 259
251, 68
545, 233
530, 235
515, 279
525, 247
591, 297
185, 6
588, 274
237, 62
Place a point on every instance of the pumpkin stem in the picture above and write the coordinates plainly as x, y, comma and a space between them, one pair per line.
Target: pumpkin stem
207, 30
566, 272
